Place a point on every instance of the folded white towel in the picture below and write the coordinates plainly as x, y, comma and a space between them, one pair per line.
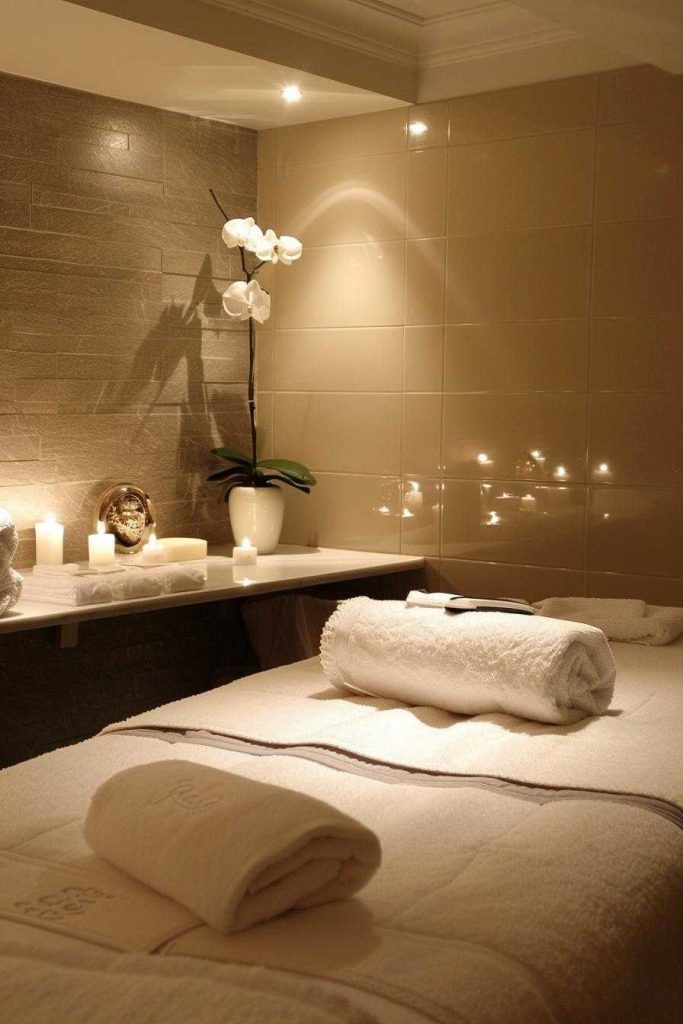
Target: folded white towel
619, 618
233, 851
75, 586
470, 663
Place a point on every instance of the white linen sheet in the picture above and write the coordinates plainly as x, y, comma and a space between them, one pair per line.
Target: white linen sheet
488, 909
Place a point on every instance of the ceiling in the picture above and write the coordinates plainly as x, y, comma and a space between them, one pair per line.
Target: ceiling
228, 59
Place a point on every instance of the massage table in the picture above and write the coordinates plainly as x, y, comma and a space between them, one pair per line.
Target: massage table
531, 874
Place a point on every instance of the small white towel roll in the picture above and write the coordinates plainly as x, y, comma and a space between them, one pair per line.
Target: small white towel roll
470, 663
629, 621
233, 851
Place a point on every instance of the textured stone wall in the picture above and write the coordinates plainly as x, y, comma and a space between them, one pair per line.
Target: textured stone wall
116, 362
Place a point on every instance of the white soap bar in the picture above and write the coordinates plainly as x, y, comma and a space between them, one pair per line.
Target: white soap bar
183, 549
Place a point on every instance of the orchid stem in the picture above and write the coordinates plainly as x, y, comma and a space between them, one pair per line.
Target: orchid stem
213, 196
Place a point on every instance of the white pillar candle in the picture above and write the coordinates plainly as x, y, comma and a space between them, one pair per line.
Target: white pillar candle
245, 554
152, 552
184, 549
100, 547
49, 541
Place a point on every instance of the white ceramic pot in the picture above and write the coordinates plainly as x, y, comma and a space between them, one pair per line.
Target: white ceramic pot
257, 513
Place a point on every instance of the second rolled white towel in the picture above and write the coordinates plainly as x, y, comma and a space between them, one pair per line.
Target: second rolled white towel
233, 851
470, 663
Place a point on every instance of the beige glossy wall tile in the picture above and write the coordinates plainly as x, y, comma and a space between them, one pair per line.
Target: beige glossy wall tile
426, 196
490, 579
265, 359
640, 93
423, 358
638, 268
637, 354
519, 275
351, 200
428, 125
267, 148
635, 530
515, 437
422, 434
344, 286
421, 516
268, 195
550, 355
343, 138
425, 280
640, 170
342, 359
527, 110
652, 589
636, 439
526, 524
340, 433
358, 512
535, 182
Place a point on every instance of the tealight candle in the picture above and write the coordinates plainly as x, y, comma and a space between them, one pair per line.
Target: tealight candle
49, 541
153, 552
100, 547
245, 553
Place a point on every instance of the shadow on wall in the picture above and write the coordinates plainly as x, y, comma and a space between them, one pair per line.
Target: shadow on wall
170, 358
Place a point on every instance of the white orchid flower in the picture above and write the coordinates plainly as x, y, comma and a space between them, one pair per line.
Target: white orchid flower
288, 249
270, 248
243, 299
236, 232
265, 246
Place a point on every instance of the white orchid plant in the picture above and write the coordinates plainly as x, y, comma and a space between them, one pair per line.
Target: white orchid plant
247, 300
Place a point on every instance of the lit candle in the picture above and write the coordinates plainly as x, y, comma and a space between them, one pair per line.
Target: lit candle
100, 547
49, 541
153, 552
245, 554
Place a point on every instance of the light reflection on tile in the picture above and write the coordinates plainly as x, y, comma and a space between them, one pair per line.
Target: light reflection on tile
421, 516
494, 521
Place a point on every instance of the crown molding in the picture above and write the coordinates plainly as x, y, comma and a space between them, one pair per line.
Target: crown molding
506, 44
328, 32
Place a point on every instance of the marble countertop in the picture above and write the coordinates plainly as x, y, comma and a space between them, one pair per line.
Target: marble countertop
288, 568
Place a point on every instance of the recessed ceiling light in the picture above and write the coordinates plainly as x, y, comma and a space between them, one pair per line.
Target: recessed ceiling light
291, 94
417, 128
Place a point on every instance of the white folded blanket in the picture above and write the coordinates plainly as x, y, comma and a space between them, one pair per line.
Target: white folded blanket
620, 619
469, 663
74, 586
233, 851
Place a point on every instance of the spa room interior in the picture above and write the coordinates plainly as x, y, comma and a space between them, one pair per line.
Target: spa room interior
341, 512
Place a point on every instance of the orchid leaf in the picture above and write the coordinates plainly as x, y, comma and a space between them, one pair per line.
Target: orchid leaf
225, 474
289, 481
295, 471
233, 456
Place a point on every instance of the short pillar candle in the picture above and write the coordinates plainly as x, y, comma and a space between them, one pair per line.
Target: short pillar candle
49, 541
101, 547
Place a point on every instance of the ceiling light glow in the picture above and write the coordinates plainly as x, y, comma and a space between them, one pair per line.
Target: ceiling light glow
291, 94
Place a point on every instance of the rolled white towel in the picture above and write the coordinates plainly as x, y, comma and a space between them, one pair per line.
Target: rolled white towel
233, 851
470, 663
622, 619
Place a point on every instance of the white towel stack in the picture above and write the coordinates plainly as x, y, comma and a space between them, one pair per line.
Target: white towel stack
471, 662
620, 619
233, 851
72, 585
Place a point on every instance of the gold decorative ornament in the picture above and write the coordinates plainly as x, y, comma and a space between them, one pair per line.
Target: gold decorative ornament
127, 512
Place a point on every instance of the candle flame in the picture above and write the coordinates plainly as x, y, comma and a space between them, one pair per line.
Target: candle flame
50, 517
153, 539
100, 527
246, 543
